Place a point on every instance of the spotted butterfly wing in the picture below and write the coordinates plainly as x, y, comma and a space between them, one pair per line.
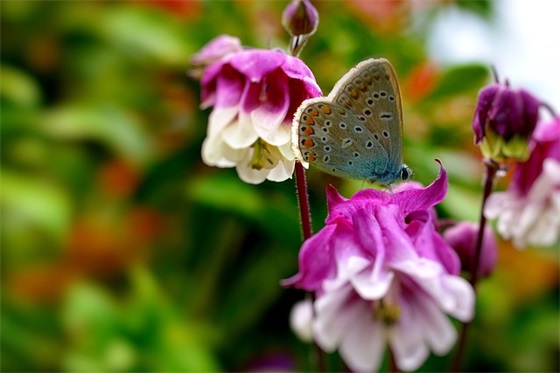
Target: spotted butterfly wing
355, 132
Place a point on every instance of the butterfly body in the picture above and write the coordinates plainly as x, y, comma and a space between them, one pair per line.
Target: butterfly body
356, 131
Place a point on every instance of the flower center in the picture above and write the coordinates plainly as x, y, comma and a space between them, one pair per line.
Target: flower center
386, 312
261, 155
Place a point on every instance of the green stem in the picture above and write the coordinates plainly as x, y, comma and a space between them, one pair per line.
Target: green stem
491, 169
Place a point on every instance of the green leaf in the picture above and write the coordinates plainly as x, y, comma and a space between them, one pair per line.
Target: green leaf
460, 79
111, 126
26, 200
18, 88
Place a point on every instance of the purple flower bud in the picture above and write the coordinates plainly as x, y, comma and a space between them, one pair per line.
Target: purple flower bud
300, 18
462, 238
504, 122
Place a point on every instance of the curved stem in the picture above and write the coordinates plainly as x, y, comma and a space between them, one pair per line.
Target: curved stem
491, 169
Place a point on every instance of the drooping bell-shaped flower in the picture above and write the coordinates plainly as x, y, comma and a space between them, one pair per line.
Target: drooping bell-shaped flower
382, 275
254, 94
528, 212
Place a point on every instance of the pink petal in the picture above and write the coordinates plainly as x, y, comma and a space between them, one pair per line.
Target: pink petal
315, 260
217, 48
230, 86
270, 114
256, 64
423, 199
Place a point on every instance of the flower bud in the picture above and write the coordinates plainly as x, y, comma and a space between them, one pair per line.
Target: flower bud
462, 238
300, 18
504, 122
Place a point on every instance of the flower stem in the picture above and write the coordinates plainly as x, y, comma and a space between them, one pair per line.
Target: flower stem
303, 201
491, 169
392, 362
307, 230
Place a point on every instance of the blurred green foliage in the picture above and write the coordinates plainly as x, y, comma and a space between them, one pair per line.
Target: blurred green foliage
122, 251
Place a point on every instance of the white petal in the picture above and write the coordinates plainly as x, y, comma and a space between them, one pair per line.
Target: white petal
286, 151
219, 118
282, 171
215, 153
462, 297
334, 314
547, 180
241, 133
364, 343
372, 287
251, 175
301, 318
438, 329
407, 341
496, 203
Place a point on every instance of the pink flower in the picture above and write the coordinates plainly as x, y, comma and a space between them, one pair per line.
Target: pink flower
462, 238
528, 212
254, 93
382, 274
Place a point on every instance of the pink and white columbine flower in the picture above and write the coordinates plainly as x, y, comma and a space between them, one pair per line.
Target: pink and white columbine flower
528, 212
382, 274
254, 93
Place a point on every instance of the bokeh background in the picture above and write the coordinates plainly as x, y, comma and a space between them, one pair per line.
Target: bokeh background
122, 251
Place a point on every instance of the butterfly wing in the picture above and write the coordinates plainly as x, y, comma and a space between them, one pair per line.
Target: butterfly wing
332, 139
355, 132
370, 91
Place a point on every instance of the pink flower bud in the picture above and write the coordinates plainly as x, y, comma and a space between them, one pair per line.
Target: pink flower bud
462, 238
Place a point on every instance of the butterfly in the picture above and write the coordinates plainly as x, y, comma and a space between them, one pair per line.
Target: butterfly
356, 131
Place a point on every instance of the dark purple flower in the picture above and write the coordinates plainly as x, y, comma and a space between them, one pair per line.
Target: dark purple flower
382, 274
462, 238
504, 121
254, 93
528, 212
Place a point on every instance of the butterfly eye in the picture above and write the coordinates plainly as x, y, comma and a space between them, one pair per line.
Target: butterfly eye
406, 172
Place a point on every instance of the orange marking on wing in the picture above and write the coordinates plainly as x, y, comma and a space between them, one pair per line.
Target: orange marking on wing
341, 111
354, 94
309, 131
326, 110
314, 113
310, 121
308, 143
311, 157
